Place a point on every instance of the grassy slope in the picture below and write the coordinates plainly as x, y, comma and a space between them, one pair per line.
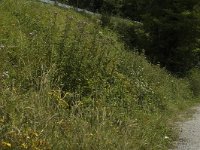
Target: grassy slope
68, 84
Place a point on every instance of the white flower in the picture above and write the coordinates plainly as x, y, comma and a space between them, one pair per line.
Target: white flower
166, 137
2, 46
101, 33
5, 74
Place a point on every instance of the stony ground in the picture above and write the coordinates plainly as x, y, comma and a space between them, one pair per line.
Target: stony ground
189, 138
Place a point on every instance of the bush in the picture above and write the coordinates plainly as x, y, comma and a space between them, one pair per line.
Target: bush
105, 19
194, 78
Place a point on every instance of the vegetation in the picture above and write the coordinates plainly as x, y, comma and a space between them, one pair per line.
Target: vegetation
174, 32
194, 79
68, 83
172, 28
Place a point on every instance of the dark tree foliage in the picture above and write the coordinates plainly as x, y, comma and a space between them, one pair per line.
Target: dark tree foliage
173, 26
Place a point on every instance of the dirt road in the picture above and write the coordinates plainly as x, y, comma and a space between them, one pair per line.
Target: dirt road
189, 138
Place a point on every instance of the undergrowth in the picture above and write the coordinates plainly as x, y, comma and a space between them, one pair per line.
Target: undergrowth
67, 83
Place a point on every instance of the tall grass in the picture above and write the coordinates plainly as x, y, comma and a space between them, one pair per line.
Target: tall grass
66, 83
194, 78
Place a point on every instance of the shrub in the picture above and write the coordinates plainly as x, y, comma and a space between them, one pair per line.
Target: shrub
194, 79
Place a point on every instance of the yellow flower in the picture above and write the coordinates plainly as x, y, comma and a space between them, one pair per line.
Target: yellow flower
6, 144
35, 134
24, 145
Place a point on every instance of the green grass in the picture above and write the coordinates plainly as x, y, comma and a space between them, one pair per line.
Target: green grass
67, 83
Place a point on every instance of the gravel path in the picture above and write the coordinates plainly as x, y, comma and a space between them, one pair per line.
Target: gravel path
189, 138
68, 7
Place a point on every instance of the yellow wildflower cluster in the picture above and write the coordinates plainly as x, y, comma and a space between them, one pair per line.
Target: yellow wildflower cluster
27, 139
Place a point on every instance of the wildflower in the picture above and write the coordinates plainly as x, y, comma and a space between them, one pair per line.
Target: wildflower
41, 131
25, 146
101, 33
34, 32
35, 134
5, 74
166, 137
2, 46
28, 137
91, 134
6, 144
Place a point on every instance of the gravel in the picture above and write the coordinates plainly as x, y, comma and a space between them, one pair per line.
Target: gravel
68, 6
189, 138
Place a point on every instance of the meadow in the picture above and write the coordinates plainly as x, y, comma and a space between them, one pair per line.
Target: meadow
66, 82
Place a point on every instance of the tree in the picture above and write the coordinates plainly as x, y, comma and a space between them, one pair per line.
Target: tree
173, 26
